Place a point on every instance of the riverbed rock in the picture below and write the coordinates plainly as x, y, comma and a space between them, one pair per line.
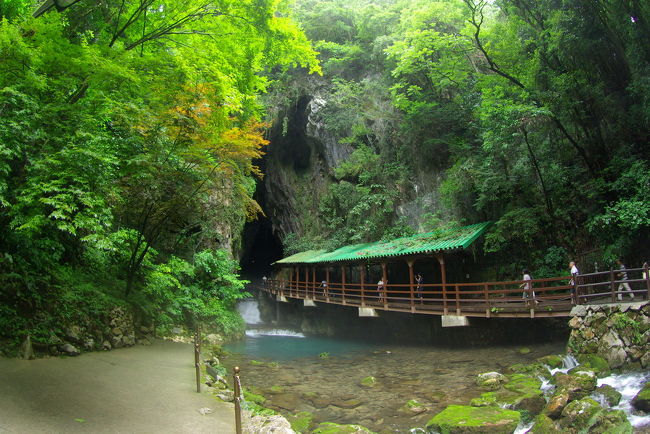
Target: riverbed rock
491, 380
413, 407
612, 422
463, 419
580, 415
70, 350
552, 361
545, 425
286, 401
275, 424
301, 422
335, 428
347, 403
529, 395
369, 381
610, 395
579, 384
595, 363
642, 399
556, 404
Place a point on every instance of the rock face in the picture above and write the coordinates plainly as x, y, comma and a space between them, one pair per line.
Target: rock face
616, 333
642, 400
457, 419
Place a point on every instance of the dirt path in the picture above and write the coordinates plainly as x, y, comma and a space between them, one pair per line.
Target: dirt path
132, 390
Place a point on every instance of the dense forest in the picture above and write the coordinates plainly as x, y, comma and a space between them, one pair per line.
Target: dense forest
131, 134
532, 114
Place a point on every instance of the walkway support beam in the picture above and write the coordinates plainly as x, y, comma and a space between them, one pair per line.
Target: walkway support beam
411, 263
384, 277
443, 279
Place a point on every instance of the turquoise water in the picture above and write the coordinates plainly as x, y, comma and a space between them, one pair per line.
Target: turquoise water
284, 345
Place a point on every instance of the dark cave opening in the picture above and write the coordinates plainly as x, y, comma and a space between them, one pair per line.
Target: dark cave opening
262, 248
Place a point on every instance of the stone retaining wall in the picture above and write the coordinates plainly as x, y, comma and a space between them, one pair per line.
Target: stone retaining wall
619, 333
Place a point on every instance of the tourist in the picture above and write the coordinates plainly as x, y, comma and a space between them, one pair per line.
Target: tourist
380, 289
323, 286
264, 279
645, 270
527, 285
418, 280
574, 280
623, 285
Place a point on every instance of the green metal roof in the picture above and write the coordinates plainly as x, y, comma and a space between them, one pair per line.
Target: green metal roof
436, 241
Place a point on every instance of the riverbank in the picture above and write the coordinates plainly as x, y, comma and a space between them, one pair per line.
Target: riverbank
138, 389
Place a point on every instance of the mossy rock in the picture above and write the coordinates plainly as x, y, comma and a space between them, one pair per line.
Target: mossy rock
252, 397
545, 425
577, 384
552, 361
436, 396
464, 419
524, 351
595, 363
487, 399
612, 422
257, 363
369, 381
413, 407
335, 428
580, 415
532, 369
301, 422
490, 380
529, 395
611, 395
642, 399
556, 403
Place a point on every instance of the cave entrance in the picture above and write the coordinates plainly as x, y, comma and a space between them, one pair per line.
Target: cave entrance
262, 249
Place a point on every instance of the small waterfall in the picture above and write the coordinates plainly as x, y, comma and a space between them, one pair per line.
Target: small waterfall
628, 384
274, 332
250, 311
568, 362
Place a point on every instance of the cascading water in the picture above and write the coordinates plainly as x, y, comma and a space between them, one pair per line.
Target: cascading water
629, 384
249, 311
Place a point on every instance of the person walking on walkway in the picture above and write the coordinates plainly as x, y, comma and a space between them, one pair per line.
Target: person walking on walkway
418, 281
574, 280
527, 286
380, 289
323, 286
623, 285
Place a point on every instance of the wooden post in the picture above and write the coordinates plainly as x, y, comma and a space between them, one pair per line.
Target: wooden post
384, 274
313, 288
237, 390
410, 263
443, 279
487, 300
646, 274
613, 285
362, 277
457, 288
343, 282
197, 363
327, 284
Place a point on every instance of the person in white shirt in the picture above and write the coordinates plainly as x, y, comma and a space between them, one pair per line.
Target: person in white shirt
380, 289
527, 285
623, 285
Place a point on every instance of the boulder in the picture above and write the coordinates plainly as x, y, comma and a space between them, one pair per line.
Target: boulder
457, 419
73, 334
335, 428
529, 395
615, 356
545, 425
579, 384
491, 380
612, 422
610, 395
580, 415
70, 350
642, 399
594, 363
413, 407
552, 361
556, 404
274, 424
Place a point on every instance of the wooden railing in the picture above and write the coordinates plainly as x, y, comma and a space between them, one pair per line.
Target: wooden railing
548, 297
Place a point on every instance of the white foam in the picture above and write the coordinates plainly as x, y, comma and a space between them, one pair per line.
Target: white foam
628, 384
249, 311
274, 332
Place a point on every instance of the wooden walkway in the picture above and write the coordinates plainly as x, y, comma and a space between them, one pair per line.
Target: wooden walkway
553, 297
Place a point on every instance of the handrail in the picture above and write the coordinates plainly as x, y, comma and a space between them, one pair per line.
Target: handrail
553, 296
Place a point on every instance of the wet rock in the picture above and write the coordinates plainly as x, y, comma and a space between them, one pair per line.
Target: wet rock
275, 424
335, 428
579, 384
642, 399
528, 397
70, 350
286, 401
545, 425
457, 419
413, 407
369, 381
274, 390
580, 415
491, 380
595, 363
436, 396
610, 395
301, 422
556, 404
552, 361
533, 369
612, 422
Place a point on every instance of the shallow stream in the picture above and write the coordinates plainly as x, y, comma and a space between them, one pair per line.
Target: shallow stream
322, 375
